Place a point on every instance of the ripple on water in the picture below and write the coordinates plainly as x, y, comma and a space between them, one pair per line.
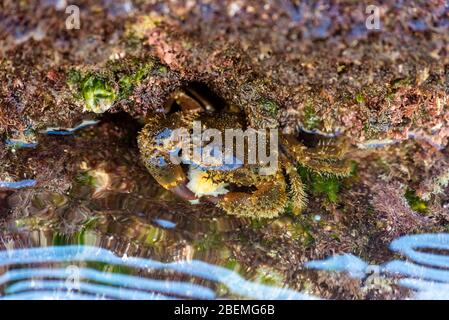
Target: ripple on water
79, 282
426, 270
116, 223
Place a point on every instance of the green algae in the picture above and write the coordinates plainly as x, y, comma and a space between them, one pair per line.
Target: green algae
85, 179
257, 224
269, 276
321, 185
327, 186
98, 95
128, 82
416, 203
162, 69
100, 89
93, 89
301, 231
209, 241
268, 105
360, 98
74, 77
150, 236
60, 239
119, 269
311, 119
232, 264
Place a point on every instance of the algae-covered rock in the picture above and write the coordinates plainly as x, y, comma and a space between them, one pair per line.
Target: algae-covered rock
321, 67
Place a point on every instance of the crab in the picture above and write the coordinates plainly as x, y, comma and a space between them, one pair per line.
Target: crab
241, 190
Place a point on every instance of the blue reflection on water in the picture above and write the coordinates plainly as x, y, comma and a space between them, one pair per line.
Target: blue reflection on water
114, 279
427, 290
425, 272
100, 291
48, 295
68, 131
346, 262
116, 285
15, 143
165, 223
18, 184
408, 245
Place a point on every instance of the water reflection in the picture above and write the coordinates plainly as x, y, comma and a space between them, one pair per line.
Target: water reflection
126, 237
24, 282
355, 266
113, 206
17, 184
426, 270
69, 131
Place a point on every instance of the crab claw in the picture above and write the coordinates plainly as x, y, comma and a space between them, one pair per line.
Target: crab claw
172, 178
183, 192
156, 158
268, 201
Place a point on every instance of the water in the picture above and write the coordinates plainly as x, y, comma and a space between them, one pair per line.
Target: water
88, 281
18, 184
427, 273
69, 131
113, 233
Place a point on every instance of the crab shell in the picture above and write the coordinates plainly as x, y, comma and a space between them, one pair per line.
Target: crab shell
242, 191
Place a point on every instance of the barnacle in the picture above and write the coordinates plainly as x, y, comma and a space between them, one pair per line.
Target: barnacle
242, 190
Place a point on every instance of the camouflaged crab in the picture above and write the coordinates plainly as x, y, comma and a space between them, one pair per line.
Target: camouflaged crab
242, 191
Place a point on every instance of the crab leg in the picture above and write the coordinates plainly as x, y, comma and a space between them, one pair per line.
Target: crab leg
189, 100
327, 149
325, 159
169, 176
340, 168
268, 201
297, 194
